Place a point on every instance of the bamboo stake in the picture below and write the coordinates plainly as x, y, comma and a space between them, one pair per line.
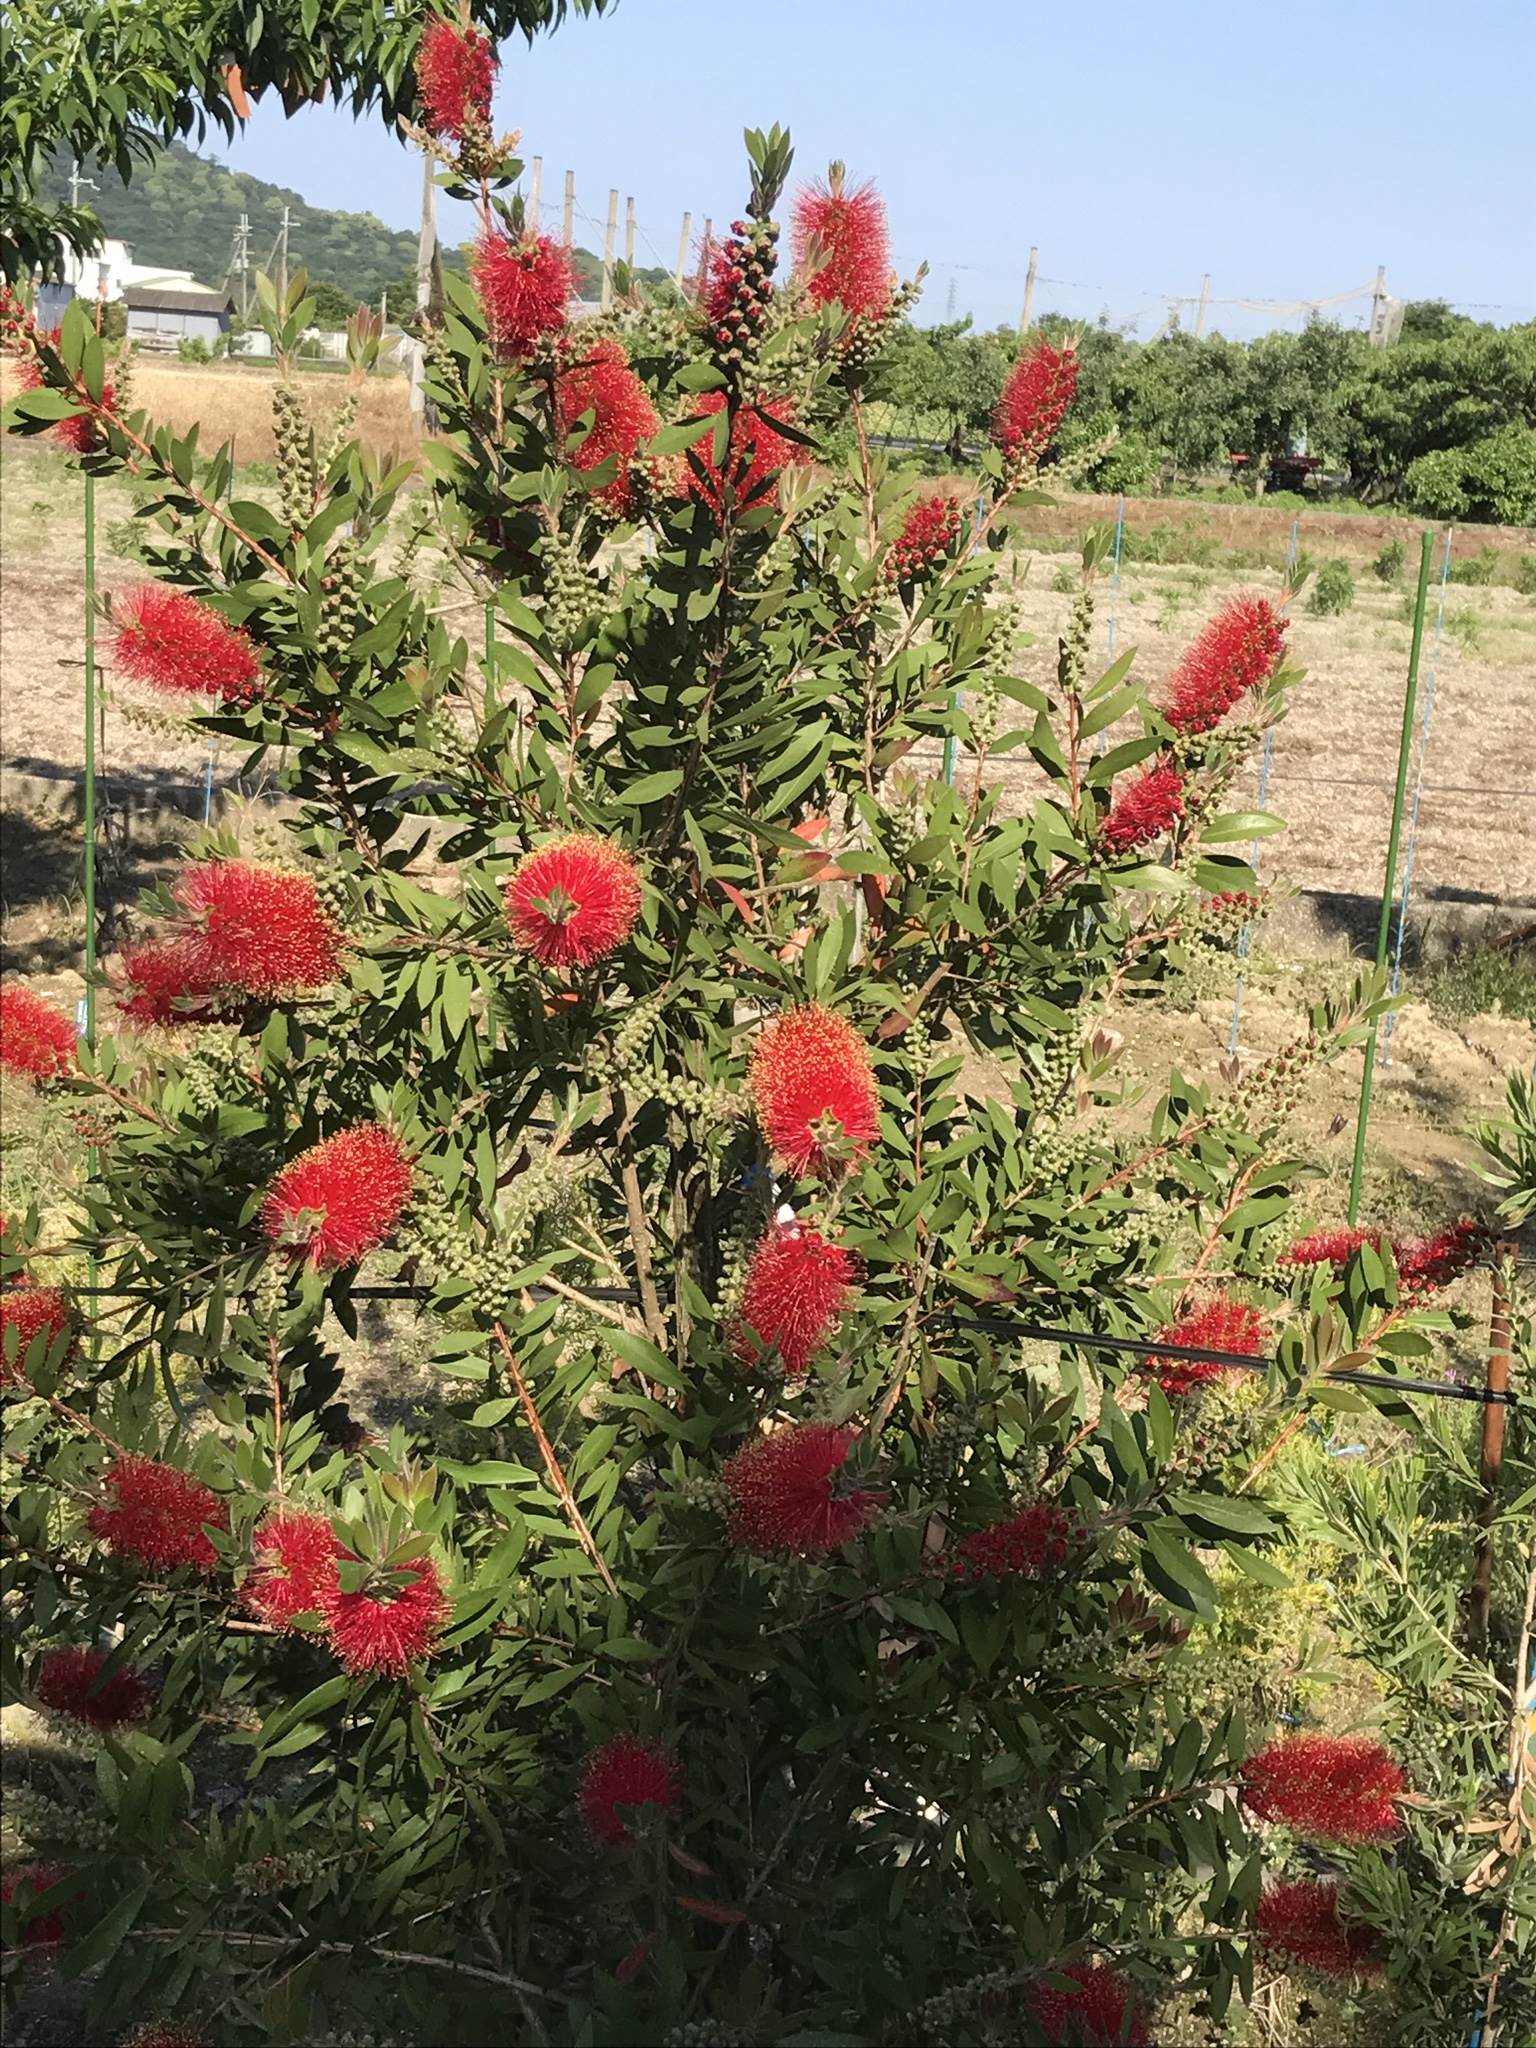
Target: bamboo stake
1389, 885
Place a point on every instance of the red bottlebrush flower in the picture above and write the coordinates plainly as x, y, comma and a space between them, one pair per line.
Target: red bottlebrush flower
1238, 651
37, 1042
79, 432
814, 1091
849, 232
455, 71
1104, 2010
155, 1514
1426, 1264
756, 448
573, 900
625, 1772
164, 982
525, 284
927, 536
1152, 805
783, 1495
30, 1312
1299, 1923
1328, 1247
43, 1930
384, 1632
1027, 1545
67, 1683
357, 1182
295, 1568
1219, 1325
176, 645
166, 2034
623, 417
1330, 1788
258, 929
796, 1288
1034, 400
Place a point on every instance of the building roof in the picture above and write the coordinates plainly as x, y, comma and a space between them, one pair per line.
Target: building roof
177, 298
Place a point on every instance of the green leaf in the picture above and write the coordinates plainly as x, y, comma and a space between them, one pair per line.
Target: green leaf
1240, 825
106, 1936
648, 789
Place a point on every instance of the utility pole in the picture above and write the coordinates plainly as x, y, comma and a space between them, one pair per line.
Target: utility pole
1205, 300
383, 306
241, 264
629, 232
568, 232
951, 297
682, 251
609, 234
282, 246
76, 182
426, 240
1378, 337
1029, 289
535, 189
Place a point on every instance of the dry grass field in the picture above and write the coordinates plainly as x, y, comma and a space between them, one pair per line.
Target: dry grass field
1475, 849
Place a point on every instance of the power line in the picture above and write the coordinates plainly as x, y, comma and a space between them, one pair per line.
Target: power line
1023, 1332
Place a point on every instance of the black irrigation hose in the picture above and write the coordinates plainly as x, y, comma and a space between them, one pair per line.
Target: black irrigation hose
1044, 1333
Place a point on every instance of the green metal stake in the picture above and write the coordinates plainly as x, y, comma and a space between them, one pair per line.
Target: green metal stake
90, 765
1389, 886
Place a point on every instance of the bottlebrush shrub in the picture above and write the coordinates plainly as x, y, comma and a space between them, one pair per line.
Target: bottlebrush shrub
878, 1683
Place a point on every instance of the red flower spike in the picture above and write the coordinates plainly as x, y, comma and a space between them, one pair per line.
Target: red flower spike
782, 1489
525, 284
927, 536
257, 929
623, 417
1151, 807
295, 1568
1034, 401
1329, 1788
386, 1632
754, 443
572, 901
67, 1683
850, 229
165, 982
1238, 651
37, 1042
626, 1772
155, 1514
815, 1094
43, 1930
797, 1286
1218, 1325
1424, 1264
166, 2034
176, 645
1103, 2012
1300, 1925
1027, 1545
79, 433
455, 72
358, 1182
31, 1312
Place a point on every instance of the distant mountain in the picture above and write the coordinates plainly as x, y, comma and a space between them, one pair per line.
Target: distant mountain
182, 210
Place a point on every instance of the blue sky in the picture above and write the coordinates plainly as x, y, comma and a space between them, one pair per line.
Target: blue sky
1287, 151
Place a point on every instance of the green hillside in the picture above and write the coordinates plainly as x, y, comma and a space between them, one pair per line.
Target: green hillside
181, 210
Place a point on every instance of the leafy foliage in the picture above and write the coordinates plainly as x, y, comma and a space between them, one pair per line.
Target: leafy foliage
660, 1691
